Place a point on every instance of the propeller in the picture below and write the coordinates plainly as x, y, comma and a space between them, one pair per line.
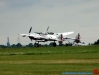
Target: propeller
30, 30
47, 29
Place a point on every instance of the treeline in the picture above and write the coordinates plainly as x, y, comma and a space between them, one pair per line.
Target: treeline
96, 42
19, 45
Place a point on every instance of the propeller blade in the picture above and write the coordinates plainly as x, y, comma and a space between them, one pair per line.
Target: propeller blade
47, 29
30, 30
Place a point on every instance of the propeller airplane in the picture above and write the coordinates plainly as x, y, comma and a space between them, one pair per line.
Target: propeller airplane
46, 36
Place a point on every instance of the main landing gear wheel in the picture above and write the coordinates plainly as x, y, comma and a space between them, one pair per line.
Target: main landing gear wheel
54, 44
36, 45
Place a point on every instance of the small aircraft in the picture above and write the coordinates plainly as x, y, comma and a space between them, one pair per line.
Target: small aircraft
46, 36
77, 41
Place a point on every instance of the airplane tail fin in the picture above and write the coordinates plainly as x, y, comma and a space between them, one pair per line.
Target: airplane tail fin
77, 40
61, 39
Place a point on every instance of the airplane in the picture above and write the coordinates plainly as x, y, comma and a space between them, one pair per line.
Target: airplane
46, 36
50, 36
77, 41
56, 37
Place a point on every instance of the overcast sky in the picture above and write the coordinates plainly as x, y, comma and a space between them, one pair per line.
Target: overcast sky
80, 16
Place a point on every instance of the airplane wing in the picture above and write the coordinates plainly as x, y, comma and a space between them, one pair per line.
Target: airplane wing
35, 36
67, 33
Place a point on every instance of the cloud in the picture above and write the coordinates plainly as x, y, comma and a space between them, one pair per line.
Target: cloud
60, 15
2, 4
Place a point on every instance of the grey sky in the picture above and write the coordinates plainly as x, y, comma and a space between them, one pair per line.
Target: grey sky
80, 16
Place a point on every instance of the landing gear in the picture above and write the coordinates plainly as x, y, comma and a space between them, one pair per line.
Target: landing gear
54, 44
36, 44
60, 43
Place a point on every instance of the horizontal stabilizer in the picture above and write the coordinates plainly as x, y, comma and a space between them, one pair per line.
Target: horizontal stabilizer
24, 35
70, 38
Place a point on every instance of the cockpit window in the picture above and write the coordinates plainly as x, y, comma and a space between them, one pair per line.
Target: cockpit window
50, 33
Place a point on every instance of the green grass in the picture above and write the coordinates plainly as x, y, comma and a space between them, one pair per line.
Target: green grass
48, 60
49, 50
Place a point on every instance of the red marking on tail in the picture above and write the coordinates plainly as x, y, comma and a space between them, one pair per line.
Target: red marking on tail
79, 37
62, 38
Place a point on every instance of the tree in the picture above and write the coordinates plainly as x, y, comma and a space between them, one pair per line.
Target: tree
30, 45
13, 46
3, 46
96, 42
18, 45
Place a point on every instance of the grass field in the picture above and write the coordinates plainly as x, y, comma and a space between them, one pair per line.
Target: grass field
48, 60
